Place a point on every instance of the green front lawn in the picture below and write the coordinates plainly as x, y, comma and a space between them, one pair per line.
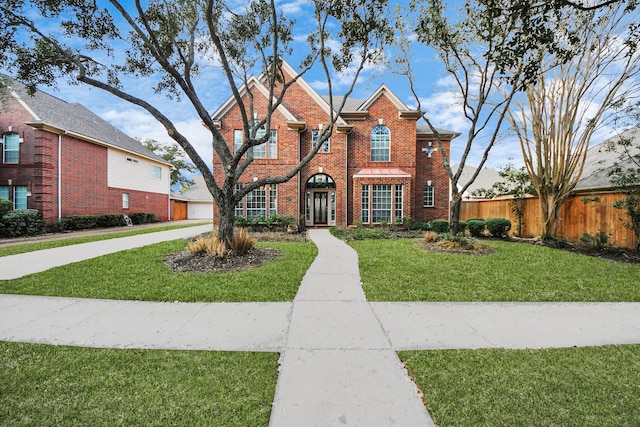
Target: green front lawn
592, 386
72, 386
141, 274
399, 270
14, 249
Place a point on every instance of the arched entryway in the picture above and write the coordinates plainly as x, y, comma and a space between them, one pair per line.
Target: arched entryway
320, 200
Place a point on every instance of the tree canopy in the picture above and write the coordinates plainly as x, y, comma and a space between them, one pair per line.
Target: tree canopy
114, 46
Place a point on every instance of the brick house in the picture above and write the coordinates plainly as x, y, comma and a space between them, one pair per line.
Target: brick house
62, 160
378, 165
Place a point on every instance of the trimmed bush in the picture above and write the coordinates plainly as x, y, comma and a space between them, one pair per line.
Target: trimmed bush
476, 226
6, 206
462, 226
110, 220
498, 227
24, 222
138, 218
440, 226
420, 226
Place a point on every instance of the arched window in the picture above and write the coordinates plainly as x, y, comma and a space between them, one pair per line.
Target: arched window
380, 144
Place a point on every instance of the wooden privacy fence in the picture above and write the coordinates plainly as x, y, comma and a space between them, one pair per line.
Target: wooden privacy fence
581, 213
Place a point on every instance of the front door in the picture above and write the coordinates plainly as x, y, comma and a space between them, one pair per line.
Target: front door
320, 207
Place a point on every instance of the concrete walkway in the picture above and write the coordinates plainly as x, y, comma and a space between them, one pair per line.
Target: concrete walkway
338, 360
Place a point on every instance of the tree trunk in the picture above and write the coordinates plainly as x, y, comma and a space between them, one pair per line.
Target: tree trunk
550, 207
454, 215
226, 222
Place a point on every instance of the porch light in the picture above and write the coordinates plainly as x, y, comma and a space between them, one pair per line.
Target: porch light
429, 183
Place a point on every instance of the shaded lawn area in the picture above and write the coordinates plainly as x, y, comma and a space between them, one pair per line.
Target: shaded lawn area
40, 245
141, 275
400, 270
592, 386
53, 385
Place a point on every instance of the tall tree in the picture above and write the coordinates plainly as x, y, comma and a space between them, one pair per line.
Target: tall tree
109, 44
561, 109
175, 155
473, 45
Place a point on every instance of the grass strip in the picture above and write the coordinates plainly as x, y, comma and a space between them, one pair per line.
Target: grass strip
140, 274
592, 386
400, 270
40, 245
72, 386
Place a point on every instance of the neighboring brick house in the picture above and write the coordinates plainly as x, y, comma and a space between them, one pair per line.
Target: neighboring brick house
378, 165
62, 159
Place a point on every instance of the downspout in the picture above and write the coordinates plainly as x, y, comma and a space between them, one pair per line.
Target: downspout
59, 176
346, 181
300, 202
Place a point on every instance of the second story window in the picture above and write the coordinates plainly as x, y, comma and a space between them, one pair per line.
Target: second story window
155, 172
380, 144
268, 150
10, 148
315, 136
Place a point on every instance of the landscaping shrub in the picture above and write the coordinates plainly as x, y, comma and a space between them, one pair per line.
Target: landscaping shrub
498, 227
24, 222
110, 220
431, 236
462, 226
476, 226
597, 241
142, 217
240, 221
420, 226
405, 221
242, 242
6, 206
86, 222
440, 226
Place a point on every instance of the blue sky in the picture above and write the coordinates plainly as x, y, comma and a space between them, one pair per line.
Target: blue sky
434, 87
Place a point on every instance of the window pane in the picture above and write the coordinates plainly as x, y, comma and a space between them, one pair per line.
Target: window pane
155, 172
256, 203
11, 148
273, 144
428, 196
20, 195
4, 192
380, 144
239, 210
237, 140
398, 207
365, 203
125, 200
314, 138
381, 203
273, 199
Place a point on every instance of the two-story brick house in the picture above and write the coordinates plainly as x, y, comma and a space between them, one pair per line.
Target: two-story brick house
378, 165
62, 159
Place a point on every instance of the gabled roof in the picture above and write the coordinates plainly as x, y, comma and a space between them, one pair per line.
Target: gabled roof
58, 116
599, 162
258, 82
252, 82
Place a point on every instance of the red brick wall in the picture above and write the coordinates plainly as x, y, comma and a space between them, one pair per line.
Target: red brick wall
84, 173
348, 154
431, 169
139, 201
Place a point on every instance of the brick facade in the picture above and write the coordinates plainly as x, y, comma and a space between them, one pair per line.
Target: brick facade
83, 174
348, 160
